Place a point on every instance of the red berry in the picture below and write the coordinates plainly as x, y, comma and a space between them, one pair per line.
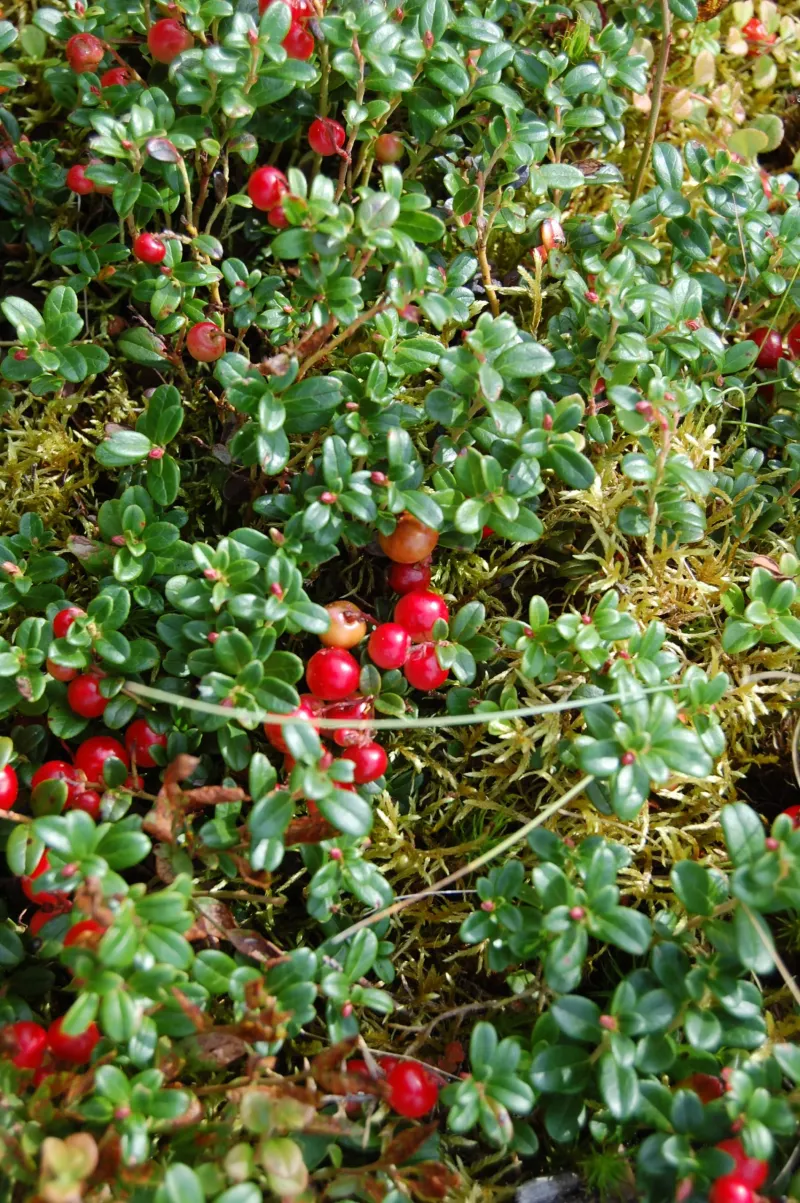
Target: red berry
83, 52
347, 628
370, 761
422, 669
305, 712
78, 181
332, 674
358, 708
41, 897
298, 43
388, 148
706, 1086
771, 347
749, 1170
730, 1190
325, 137
139, 739
116, 77
205, 342
93, 753
58, 672
794, 814
266, 186
86, 927
410, 541
90, 801
148, 248
417, 612
9, 787
59, 770
793, 341
301, 9
755, 31
64, 620
76, 1049
388, 645
167, 39
29, 1039
412, 1090
405, 578
84, 696
276, 217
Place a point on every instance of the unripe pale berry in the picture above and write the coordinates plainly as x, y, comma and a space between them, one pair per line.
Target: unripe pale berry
388, 148
347, 627
410, 541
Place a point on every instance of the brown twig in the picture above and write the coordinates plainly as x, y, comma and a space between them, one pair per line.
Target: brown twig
656, 97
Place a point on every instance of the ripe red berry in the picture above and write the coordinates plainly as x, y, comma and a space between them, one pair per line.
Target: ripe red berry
417, 612
116, 77
749, 1170
388, 645
84, 696
325, 137
64, 620
755, 31
305, 712
347, 628
205, 342
93, 753
90, 801
86, 927
9, 787
266, 186
59, 770
771, 347
83, 52
422, 669
77, 180
412, 1090
301, 9
277, 218
58, 672
76, 1049
298, 43
29, 1040
706, 1086
369, 760
332, 674
148, 248
794, 814
793, 341
388, 148
139, 739
410, 541
405, 578
42, 898
730, 1190
167, 39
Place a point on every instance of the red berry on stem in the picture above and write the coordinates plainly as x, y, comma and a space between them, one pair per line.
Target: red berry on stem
730, 1190
83, 52
77, 1049
167, 39
347, 628
388, 645
410, 541
405, 578
794, 814
64, 620
706, 1086
58, 672
90, 801
298, 43
412, 1090
139, 739
266, 186
84, 696
29, 1040
205, 342
59, 770
388, 148
86, 927
749, 1170
755, 31
77, 180
277, 218
332, 674
93, 753
41, 897
274, 731
9, 787
793, 341
301, 10
417, 612
771, 347
116, 77
148, 248
422, 669
326, 137
369, 761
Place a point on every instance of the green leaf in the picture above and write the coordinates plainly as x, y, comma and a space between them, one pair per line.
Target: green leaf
692, 884
141, 346
619, 1087
422, 227
181, 1185
744, 833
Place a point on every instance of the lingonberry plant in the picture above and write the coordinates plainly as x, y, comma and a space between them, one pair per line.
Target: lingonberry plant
399, 578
